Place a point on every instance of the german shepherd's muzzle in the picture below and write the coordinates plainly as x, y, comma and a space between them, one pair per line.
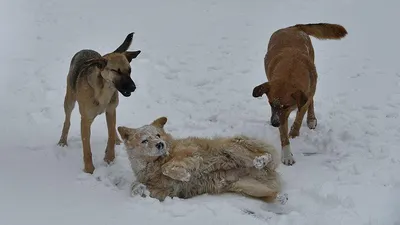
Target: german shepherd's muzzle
125, 85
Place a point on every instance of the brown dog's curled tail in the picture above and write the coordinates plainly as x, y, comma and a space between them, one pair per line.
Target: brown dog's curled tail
323, 30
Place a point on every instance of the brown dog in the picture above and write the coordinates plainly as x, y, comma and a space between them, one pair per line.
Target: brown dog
193, 166
94, 81
289, 66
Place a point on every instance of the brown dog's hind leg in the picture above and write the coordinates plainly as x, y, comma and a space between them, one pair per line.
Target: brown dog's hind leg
69, 104
311, 119
111, 127
87, 152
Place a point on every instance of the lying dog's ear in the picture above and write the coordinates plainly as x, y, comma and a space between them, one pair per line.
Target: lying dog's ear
261, 89
300, 97
125, 45
160, 122
131, 55
124, 132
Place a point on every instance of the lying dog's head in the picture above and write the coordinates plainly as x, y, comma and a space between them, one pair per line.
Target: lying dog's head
282, 97
147, 142
118, 69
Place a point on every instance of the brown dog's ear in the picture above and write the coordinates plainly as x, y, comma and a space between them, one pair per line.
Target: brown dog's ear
300, 97
160, 122
132, 55
124, 132
261, 89
125, 45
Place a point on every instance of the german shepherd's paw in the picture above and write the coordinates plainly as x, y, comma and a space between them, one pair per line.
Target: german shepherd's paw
262, 161
62, 143
176, 173
139, 189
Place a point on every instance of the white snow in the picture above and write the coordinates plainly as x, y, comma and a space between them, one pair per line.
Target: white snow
199, 63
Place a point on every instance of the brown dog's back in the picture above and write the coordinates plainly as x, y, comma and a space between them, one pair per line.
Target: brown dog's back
295, 41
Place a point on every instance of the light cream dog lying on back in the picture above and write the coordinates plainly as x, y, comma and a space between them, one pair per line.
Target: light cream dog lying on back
193, 166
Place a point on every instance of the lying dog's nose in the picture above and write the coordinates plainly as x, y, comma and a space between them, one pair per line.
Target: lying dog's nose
160, 145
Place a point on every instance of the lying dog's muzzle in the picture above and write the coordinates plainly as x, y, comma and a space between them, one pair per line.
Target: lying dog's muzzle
125, 86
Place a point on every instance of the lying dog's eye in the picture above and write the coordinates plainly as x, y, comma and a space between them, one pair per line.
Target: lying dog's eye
158, 135
144, 141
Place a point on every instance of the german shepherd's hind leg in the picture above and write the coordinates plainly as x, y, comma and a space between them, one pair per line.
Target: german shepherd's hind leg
311, 119
69, 104
111, 117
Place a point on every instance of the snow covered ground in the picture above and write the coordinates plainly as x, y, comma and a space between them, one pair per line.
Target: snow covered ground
200, 61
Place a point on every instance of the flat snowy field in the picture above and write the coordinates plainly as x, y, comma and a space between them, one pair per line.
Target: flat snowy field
200, 61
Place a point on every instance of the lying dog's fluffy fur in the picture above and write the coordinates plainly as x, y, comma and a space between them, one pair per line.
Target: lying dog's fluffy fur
193, 166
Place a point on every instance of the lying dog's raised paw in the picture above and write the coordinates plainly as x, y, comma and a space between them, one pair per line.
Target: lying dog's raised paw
177, 173
282, 198
261, 161
139, 189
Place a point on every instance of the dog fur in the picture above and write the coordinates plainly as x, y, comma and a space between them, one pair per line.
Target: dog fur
94, 82
193, 166
292, 78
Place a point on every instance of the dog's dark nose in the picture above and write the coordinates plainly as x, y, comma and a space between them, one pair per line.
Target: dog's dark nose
275, 123
132, 87
160, 145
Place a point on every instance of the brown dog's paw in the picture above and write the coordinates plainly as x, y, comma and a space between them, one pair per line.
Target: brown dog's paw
294, 133
312, 123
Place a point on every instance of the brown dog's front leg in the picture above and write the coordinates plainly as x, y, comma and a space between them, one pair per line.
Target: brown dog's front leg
86, 123
295, 129
111, 117
286, 154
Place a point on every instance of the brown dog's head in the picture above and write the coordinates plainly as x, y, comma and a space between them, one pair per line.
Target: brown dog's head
118, 69
147, 142
282, 97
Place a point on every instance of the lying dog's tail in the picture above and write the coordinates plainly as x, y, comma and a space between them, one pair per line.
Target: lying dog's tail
323, 30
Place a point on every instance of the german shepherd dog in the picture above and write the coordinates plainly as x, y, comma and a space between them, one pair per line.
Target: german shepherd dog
292, 78
192, 166
94, 81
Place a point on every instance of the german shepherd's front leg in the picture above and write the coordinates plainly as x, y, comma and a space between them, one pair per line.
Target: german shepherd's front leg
111, 117
86, 123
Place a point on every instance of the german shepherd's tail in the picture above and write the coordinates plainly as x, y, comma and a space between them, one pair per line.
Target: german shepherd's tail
323, 31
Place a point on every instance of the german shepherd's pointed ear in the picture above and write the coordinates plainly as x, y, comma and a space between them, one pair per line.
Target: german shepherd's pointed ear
300, 97
100, 63
126, 44
131, 55
125, 132
261, 89
160, 122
